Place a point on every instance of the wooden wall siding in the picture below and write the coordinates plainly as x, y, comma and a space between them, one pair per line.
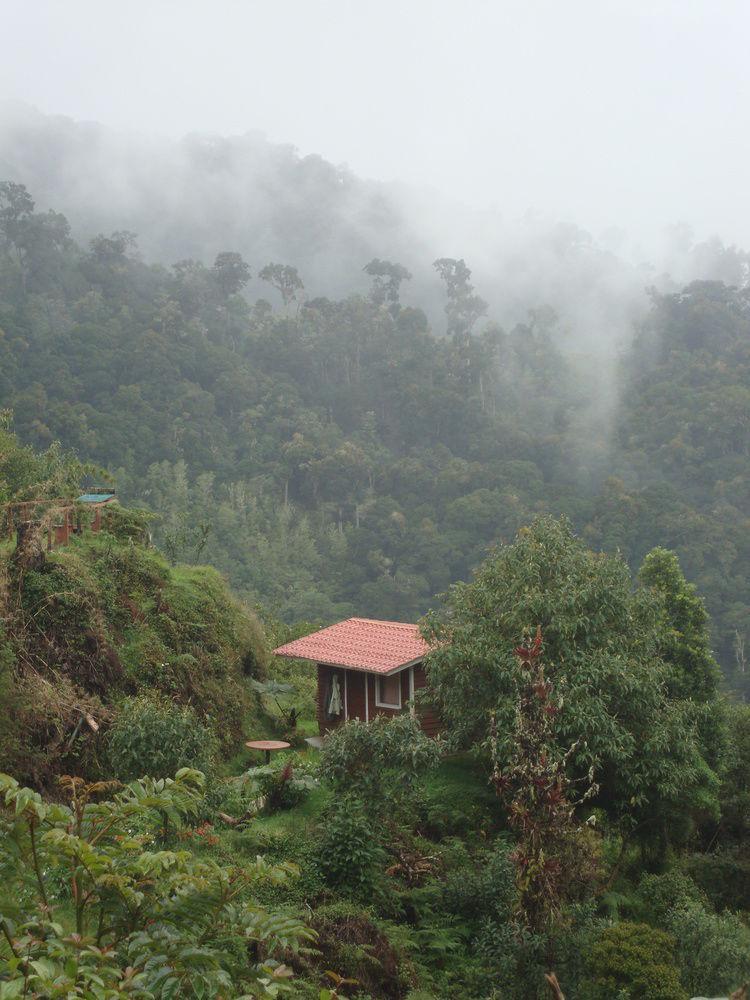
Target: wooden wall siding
355, 688
427, 715
355, 683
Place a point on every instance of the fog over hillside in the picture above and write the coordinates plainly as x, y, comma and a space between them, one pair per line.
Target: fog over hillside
197, 196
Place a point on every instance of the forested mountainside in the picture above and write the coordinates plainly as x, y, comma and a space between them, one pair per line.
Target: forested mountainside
340, 456
198, 196
580, 821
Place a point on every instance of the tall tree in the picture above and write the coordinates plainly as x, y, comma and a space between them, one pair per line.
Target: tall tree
230, 272
285, 279
685, 644
386, 286
602, 642
463, 307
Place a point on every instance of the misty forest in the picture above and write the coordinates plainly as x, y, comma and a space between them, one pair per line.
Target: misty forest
294, 398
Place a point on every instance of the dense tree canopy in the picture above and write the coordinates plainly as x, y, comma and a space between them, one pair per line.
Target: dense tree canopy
338, 457
602, 645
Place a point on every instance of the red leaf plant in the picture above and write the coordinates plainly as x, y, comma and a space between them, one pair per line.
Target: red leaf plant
555, 857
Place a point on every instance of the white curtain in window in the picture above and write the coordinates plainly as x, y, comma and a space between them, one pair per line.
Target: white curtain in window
334, 699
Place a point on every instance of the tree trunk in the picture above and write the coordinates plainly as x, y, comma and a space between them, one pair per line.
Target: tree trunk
554, 986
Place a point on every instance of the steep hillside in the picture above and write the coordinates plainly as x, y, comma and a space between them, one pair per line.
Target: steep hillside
338, 457
87, 626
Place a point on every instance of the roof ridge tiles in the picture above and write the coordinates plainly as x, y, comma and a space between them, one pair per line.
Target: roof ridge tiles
377, 621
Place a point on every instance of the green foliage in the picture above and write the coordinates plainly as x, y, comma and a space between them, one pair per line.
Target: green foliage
713, 948
685, 644
662, 893
104, 617
276, 690
458, 801
350, 856
482, 891
125, 913
8, 698
150, 735
282, 785
380, 761
635, 962
361, 948
735, 789
722, 875
601, 640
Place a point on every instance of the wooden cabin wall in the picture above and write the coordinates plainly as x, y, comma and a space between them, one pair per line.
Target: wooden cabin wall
358, 708
355, 683
428, 717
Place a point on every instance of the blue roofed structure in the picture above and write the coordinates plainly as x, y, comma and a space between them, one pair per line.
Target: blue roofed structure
95, 497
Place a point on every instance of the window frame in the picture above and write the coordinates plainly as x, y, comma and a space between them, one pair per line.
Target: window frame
379, 702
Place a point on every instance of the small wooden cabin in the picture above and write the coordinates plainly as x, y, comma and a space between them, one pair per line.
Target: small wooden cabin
365, 668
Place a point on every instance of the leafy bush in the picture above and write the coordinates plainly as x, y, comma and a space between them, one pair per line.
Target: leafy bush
359, 948
484, 889
141, 920
633, 961
713, 949
378, 761
126, 523
571, 942
349, 855
150, 735
276, 690
662, 893
282, 785
724, 877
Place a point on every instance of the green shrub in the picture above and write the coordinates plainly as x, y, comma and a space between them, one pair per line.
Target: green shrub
662, 893
724, 877
358, 947
148, 922
282, 785
349, 855
484, 889
632, 962
713, 950
378, 761
571, 943
150, 735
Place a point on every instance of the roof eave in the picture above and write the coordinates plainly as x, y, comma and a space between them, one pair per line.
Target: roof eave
350, 666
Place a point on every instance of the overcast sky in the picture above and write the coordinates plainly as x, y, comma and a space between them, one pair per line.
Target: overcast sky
629, 113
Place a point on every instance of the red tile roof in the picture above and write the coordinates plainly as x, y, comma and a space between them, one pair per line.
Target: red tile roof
360, 644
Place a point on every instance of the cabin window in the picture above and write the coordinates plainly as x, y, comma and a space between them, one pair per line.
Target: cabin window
388, 691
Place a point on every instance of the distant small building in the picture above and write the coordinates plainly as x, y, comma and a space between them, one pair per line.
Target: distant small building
365, 668
57, 518
98, 499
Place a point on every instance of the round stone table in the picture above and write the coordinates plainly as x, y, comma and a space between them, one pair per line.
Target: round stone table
267, 746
